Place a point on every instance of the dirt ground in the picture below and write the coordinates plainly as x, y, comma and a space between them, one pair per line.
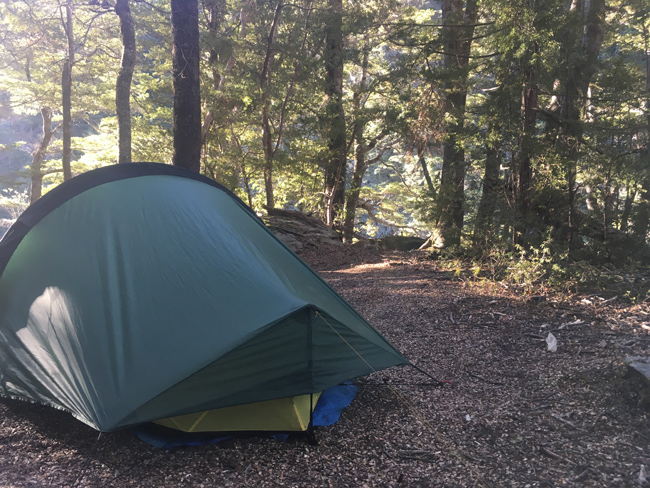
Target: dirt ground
517, 415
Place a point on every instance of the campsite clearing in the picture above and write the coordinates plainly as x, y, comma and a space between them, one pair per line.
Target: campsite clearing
517, 415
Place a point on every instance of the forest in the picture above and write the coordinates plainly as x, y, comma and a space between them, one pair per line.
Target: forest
503, 132
510, 138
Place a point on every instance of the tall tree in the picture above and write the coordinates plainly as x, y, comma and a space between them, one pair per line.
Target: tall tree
641, 218
581, 57
459, 22
124, 78
37, 160
265, 81
335, 163
215, 14
187, 92
66, 89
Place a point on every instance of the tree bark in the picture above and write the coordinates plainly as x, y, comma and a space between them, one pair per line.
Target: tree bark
187, 93
457, 45
37, 175
577, 81
265, 75
352, 201
642, 215
66, 93
215, 13
124, 78
487, 204
360, 165
425, 169
529, 108
641, 221
335, 165
627, 208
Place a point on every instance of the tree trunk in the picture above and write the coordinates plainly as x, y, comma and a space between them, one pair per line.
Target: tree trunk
66, 94
641, 220
577, 81
360, 164
352, 201
488, 202
215, 13
37, 176
335, 165
123, 84
525, 177
642, 214
425, 169
187, 93
265, 76
627, 208
247, 185
457, 45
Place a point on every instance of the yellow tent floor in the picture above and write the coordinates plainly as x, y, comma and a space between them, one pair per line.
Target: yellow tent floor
290, 414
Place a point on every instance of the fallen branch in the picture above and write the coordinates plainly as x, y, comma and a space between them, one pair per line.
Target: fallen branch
554, 455
541, 407
625, 443
608, 301
582, 476
535, 336
567, 422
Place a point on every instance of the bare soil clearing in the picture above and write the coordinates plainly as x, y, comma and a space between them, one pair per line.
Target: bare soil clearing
517, 415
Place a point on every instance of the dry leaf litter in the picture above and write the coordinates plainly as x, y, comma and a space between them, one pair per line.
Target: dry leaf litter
518, 414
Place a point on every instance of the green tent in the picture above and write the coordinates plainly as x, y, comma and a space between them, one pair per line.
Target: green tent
143, 292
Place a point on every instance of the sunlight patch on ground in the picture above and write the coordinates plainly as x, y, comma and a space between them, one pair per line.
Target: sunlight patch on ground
366, 268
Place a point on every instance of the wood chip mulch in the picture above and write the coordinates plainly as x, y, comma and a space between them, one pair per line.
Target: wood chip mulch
517, 414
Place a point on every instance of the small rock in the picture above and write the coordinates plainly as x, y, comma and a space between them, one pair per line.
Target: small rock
638, 369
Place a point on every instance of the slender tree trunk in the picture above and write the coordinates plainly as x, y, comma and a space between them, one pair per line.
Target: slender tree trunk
627, 208
187, 93
335, 166
457, 45
641, 221
352, 201
66, 93
577, 81
247, 185
529, 114
265, 77
215, 13
360, 165
124, 77
37, 175
487, 204
422, 149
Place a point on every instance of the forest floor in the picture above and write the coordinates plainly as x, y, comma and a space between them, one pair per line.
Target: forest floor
517, 414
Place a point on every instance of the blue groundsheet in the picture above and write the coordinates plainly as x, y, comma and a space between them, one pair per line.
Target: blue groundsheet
327, 412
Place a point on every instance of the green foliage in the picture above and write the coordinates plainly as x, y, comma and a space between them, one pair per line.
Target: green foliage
588, 200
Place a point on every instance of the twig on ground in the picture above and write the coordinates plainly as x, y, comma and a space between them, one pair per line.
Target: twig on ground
541, 407
566, 422
625, 443
554, 455
486, 380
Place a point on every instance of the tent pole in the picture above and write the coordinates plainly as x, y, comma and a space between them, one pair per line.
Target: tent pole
311, 437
